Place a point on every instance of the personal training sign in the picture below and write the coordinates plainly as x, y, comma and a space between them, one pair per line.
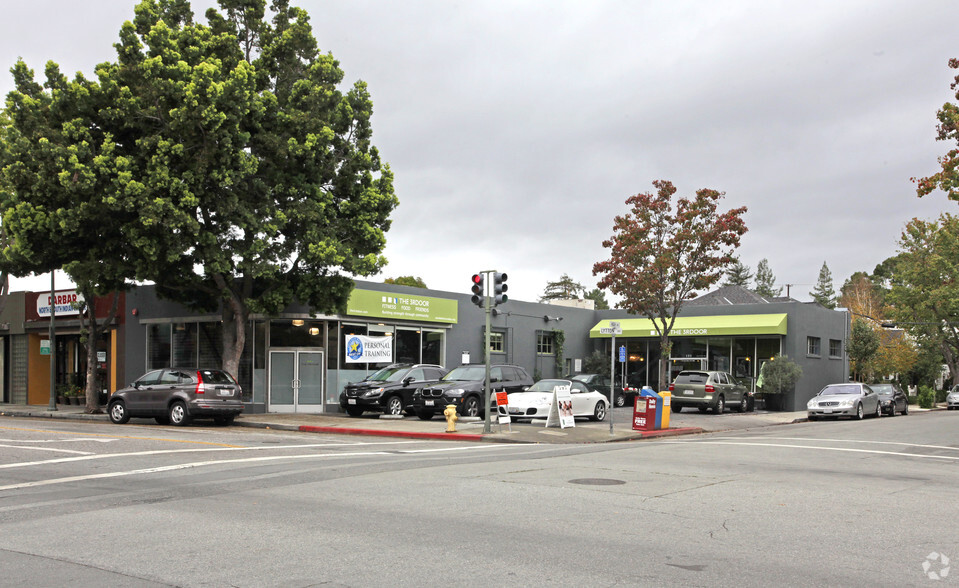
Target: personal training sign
401, 306
363, 349
67, 302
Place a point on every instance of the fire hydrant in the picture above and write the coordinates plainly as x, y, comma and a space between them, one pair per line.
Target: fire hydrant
451, 418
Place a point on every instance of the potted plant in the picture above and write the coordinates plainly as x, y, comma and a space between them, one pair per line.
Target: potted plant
776, 378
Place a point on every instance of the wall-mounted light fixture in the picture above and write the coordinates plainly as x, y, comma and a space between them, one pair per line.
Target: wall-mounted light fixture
297, 322
314, 331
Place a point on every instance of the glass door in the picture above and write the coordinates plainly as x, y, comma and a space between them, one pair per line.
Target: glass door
296, 381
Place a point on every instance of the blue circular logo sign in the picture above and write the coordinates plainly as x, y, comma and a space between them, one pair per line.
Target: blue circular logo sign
354, 348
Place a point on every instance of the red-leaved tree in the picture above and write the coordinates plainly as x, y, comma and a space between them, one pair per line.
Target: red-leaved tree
947, 179
665, 252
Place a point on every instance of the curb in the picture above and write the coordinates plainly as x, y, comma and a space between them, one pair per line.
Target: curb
379, 433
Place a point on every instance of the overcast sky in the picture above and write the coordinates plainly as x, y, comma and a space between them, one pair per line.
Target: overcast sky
516, 130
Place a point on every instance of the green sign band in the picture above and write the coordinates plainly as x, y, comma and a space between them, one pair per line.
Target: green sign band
401, 306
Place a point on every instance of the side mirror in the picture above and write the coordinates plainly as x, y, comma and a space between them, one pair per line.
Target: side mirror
407, 380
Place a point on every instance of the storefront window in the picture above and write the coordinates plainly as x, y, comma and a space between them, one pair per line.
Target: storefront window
297, 333
720, 351
210, 346
407, 346
433, 347
744, 351
184, 345
158, 347
689, 348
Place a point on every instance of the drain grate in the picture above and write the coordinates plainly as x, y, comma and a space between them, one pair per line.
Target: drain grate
597, 481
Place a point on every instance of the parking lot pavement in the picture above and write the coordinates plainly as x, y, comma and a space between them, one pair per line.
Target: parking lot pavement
684, 423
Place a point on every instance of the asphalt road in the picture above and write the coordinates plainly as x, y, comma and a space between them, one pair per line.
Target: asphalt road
811, 504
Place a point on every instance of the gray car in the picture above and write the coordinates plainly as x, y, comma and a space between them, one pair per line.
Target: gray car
852, 399
708, 390
176, 396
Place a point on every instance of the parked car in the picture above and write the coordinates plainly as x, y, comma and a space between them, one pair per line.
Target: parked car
390, 389
851, 399
952, 399
177, 396
536, 401
463, 386
600, 384
709, 390
893, 400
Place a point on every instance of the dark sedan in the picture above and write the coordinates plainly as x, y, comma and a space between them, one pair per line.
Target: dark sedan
389, 390
892, 398
600, 383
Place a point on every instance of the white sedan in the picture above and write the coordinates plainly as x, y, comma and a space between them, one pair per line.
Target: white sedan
535, 401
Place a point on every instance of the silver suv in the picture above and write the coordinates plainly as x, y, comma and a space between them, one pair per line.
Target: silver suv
177, 396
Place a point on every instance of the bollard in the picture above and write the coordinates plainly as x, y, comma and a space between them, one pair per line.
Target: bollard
451, 418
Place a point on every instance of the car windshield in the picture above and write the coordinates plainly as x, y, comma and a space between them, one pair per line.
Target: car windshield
841, 389
472, 373
884, 389
583, 378
390, 373
547, 385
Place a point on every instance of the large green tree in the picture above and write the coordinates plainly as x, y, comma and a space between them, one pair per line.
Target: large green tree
823, 292
738, 274
663, 252
766, 280
251, 179
925, 292
565, 288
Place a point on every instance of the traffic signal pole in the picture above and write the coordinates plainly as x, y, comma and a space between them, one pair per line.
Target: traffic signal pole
481, 297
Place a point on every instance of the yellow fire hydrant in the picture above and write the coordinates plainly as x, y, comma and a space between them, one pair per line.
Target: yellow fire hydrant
451, 418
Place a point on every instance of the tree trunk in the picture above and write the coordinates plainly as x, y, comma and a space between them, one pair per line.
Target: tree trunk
235, 318
93, 332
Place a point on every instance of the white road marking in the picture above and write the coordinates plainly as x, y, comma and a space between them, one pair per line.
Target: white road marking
949, 447
48, 449
87, 457
196, 464
843, 449
55, 440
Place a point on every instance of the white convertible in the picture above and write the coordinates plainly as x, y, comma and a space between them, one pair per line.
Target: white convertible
535, 402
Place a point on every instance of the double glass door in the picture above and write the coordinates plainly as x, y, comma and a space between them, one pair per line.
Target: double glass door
296, 381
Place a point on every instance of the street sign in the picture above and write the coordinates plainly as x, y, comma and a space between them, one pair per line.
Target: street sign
614, 328
622, 354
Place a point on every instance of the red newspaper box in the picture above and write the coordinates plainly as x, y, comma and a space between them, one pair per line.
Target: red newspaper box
644, 413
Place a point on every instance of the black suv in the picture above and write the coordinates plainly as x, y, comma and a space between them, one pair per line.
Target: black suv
464, 387
389, 390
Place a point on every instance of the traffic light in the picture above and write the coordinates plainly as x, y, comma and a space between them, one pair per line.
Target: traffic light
499, 288
477, 289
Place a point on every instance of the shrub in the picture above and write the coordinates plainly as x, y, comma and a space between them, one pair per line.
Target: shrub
926, 397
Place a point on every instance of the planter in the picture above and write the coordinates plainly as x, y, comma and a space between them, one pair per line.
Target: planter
773, 401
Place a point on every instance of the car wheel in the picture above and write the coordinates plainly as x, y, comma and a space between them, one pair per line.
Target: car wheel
394, 405
878, 410
742, 404
860, 413
599, 411
905, 409
471, 407
354, 411
162, 420
224, 421
676, 408
425, 414
720, 405
892, 409
118, 412
178, 415
621, 400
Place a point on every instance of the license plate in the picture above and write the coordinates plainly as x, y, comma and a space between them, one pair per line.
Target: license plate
429, 403
688, 392
827, 411
224, 392
351, 400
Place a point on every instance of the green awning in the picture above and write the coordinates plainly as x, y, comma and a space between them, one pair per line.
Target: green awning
702, 326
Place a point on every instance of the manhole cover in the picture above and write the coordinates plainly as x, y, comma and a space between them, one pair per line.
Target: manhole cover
597, 481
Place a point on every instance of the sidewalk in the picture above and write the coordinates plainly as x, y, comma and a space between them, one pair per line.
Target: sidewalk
466, 429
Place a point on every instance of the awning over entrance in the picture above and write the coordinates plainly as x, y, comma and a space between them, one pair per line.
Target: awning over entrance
702, 326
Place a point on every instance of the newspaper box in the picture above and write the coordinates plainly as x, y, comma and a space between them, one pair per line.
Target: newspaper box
644, 413
660, 407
